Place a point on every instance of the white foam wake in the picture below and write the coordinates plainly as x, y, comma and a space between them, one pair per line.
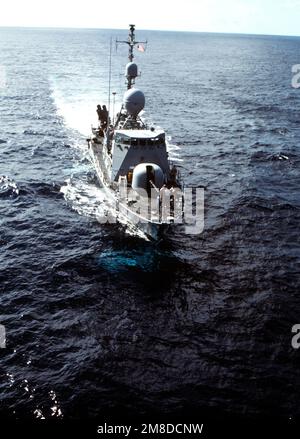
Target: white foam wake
79, 113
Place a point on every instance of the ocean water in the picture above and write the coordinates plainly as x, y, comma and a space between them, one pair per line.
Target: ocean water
98, 320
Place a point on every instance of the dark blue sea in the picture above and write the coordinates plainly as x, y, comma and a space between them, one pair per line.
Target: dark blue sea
98, 320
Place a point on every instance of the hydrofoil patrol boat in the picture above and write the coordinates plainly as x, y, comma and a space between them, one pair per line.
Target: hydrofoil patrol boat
132, 163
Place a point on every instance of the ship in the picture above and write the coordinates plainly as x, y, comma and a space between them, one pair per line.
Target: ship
132, 162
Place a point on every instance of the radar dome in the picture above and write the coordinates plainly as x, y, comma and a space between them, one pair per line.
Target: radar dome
134, 101
131, 70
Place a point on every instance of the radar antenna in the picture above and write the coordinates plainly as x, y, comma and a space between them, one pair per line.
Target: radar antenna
131, 43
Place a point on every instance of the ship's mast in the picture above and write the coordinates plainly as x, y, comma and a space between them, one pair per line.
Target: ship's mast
131, 43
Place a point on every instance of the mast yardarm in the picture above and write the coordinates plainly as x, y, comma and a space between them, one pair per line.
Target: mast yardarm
131, 43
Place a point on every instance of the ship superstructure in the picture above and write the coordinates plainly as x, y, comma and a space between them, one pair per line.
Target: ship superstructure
131, 159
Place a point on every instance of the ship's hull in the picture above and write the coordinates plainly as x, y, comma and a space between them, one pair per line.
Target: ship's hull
150, 230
